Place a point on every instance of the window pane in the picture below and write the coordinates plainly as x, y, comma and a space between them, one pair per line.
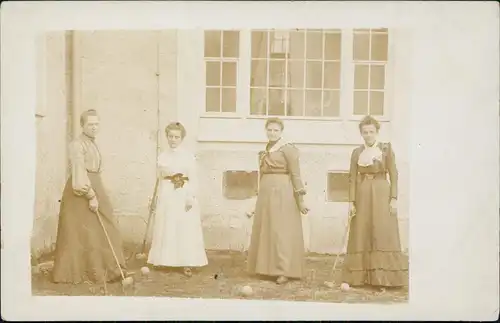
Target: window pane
213, 73
228, 100
296, 74
377, 30
332, 46
361, 47
213, 100
295, 103
279, 42
276, 102
212, 43
314, 73
259, 73
377, 103
313, 103
229, 74
361, 76
338, 187
377, 77
231, 43
314, 41
361, 102
277, 73
332, 75
258, 102
379, 47
259, 44
240, 185
331, 103
297, 44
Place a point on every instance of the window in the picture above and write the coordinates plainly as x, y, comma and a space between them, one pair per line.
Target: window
240, 185
295, 73
299, 73
370, 48
337, 187
221, 64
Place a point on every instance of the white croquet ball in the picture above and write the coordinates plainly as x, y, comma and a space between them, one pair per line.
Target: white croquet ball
246, 291
145, 270
128, 281
345, 287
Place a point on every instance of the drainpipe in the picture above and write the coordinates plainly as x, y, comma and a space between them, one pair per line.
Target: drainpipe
76, 82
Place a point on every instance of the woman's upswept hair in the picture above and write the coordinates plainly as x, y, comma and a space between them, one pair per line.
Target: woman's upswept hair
369, 120
175, 126
275, 120
84, 116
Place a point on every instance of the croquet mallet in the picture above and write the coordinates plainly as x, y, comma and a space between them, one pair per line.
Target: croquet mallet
152, 209
111, 247
344, 244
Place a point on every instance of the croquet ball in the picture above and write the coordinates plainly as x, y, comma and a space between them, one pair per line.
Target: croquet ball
145, 270
246, 291
329, 284
128, 281
140, 256
345, 287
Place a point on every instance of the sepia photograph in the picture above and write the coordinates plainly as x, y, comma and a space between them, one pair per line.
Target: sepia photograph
250, 164
225, 160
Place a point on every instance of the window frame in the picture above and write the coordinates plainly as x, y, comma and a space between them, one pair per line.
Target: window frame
327, 184
347, 63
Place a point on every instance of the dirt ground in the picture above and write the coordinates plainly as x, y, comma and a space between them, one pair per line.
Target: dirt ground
203, 284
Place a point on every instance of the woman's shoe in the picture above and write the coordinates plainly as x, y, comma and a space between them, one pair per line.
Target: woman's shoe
188, 272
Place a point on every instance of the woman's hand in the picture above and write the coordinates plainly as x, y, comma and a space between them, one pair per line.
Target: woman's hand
303, 208
394, 206
352, 209
93, 204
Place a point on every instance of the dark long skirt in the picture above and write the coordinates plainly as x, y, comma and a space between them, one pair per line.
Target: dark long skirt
374, 254
277, 244
82, 250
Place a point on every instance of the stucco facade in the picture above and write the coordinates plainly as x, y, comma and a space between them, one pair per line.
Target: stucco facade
141, 80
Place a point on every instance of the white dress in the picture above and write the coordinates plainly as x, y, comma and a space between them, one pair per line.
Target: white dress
177, 239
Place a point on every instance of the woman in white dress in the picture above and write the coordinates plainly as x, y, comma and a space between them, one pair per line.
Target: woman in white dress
177, 233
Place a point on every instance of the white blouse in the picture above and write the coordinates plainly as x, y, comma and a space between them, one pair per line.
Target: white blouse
369, 155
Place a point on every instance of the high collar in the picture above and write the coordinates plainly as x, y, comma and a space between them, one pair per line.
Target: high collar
276, 145
375, 144
87, 137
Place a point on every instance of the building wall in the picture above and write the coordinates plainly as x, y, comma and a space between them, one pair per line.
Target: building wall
130, 78
141, 80
51, 130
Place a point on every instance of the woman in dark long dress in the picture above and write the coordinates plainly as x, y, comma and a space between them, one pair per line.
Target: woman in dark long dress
374, 255
82, 250
277, 244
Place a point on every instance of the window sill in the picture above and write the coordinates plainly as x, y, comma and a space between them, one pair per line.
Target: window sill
231, 115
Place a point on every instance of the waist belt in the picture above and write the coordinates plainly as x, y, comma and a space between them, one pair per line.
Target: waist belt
275, 173
373, 175
177, 179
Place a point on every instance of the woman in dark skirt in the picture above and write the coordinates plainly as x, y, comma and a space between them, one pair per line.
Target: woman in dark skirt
277, 244
82, 250
374, 255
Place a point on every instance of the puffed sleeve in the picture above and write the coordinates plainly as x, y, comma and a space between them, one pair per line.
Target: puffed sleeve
292, 157
392, 170
193, 177
353, 175
80, 181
